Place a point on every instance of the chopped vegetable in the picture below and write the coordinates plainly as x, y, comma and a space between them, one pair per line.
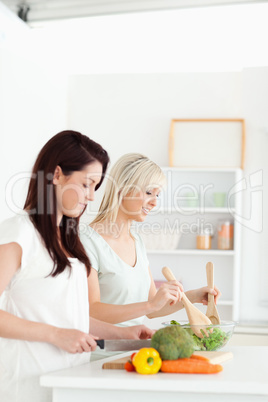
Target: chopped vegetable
129, 366
216, 339
172, 342
190, 366
147, 361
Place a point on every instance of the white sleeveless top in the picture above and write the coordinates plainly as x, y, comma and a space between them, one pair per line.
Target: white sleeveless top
119, 282
32, 294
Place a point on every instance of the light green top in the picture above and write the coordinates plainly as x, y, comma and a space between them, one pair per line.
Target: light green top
119, 282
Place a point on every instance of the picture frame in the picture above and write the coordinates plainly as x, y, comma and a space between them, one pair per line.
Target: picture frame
214, 143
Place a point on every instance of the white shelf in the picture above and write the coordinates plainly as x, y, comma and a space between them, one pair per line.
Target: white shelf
193, 252
202, 169
225, 303
201, 210
204, 182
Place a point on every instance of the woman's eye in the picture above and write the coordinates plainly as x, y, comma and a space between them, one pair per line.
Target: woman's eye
149, 193
85, 185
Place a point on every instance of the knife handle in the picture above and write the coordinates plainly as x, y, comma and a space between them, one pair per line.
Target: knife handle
100, 343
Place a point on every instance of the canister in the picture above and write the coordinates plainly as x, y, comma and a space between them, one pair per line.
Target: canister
225, 235
203, 239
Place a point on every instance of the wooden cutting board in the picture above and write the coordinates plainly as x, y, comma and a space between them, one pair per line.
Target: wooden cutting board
214, 358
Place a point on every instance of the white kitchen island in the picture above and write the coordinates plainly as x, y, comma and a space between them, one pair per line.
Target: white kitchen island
244, 378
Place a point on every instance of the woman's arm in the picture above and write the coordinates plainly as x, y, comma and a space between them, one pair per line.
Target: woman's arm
115, 314
10, 261
13, 327
71, 340
195, 296
108, 331
201, 295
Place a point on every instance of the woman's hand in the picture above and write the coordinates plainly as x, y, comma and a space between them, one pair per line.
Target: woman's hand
73, 340
136, 332
168, 291
201, 295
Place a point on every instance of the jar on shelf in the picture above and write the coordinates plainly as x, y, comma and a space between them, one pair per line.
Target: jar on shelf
225, 235
203, 239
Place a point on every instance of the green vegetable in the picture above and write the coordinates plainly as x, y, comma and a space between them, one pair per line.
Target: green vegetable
216, 339
172, 343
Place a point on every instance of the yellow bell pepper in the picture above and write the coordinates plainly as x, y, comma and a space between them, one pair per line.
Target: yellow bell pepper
147, 361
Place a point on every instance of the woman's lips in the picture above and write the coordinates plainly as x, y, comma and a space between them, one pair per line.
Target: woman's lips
145, 210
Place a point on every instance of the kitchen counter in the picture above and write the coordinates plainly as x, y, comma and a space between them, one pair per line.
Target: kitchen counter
249, 335
251, 329
244, 378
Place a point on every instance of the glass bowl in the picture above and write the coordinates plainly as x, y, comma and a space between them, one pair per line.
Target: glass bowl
218, 335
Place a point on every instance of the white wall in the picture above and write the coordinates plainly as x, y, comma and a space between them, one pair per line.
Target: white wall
32, 109
132, 112
254, 289
221, 38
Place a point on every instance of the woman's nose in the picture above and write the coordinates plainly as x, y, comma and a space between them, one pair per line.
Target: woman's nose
90, 195
153, 201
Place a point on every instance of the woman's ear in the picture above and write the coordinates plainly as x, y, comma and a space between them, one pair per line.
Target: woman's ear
57, 175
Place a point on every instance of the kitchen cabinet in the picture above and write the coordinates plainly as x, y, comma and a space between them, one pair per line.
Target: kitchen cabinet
192, 200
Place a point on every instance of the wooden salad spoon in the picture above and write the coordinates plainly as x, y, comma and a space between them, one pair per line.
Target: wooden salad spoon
212, 312
196, 318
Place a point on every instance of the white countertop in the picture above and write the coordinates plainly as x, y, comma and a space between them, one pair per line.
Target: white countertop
246, 373
251, 329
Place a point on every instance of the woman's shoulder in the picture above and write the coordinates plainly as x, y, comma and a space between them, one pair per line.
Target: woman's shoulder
17, 223
90, 239
87, 233
93, 245
18, 229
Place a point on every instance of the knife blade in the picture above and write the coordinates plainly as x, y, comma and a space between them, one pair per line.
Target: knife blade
123, 344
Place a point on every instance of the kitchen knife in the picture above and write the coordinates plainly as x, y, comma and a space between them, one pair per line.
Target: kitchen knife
123, 344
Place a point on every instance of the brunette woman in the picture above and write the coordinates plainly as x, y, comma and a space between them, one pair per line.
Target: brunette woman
44, 308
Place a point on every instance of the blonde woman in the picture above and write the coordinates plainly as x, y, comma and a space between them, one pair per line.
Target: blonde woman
121, 288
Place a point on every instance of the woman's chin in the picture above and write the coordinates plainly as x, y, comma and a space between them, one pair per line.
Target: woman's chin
74, 213
140, 218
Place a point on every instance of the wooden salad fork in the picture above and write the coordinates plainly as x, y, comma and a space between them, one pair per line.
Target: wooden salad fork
198, 321
212, 312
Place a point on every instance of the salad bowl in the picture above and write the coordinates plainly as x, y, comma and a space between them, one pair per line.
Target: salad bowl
217, 335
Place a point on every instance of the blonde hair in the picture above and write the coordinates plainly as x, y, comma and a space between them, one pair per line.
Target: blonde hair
131, 173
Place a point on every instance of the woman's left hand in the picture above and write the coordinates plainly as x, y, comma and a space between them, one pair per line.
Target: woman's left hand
201, 295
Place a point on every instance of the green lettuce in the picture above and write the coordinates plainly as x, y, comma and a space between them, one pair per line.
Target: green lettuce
216, 339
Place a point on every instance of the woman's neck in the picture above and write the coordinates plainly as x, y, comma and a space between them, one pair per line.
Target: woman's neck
118, 229
122, 226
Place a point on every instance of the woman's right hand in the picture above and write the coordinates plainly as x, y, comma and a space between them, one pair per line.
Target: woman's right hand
168, 292
73, 340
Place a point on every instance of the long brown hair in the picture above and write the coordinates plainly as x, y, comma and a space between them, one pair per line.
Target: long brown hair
72, 151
